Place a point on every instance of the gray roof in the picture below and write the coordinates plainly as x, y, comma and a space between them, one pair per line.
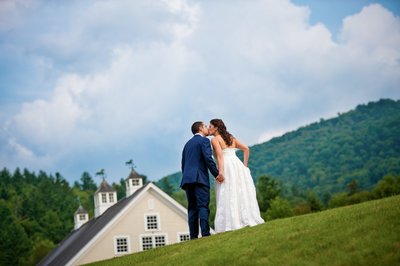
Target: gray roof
77, 239
80, 210
105, 187
133, 174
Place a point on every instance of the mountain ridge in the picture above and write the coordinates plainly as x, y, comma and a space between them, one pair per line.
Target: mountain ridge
325, 156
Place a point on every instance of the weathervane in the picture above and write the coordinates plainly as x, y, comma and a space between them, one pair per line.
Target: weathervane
102, 174
131, 164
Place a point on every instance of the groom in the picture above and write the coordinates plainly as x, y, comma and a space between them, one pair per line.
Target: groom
196, 161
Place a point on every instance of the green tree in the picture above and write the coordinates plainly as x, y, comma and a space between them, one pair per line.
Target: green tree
180, 196
120, 188
267, 190
145, 179
280, 208
388, 186
302, 208
87, 182
41, 248
314, 201
14, 243
353, 187
166, 186
53, 226
360, 196
325, 156
338, 200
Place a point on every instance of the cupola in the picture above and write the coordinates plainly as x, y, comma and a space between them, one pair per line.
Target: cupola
104, 198
81, 216
133, 182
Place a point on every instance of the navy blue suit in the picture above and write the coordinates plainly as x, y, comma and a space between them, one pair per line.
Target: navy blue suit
196, 161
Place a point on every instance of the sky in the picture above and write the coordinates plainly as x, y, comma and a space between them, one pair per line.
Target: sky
89, 85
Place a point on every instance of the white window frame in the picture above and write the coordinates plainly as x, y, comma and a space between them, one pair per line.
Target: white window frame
179, 234
158, 222
111, 197
134, 181
103, 197
128, 242
153, 240
82, 217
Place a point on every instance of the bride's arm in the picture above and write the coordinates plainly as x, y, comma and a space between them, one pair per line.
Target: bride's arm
246, 151
218, 154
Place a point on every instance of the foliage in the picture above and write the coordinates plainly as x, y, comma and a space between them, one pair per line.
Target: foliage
313, 201
40, 249
388, 186
87, 182
120, 188
166, 186
267, 190
180, 196
173, 180
14, 242
302, 208
361, 145
339, 199
341, 236
36, 212
280, 208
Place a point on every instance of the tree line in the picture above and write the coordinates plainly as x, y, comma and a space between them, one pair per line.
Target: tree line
362, 144
36, 212
275, 203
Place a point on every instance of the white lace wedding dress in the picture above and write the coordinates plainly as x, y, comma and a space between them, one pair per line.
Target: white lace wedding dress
236, 200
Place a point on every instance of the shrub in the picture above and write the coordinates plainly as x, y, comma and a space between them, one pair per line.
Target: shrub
280, 208
339, 199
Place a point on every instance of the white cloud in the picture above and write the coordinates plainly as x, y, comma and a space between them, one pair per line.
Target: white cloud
10, 13
133, 76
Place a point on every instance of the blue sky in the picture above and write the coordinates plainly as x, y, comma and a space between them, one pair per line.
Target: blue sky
86, 85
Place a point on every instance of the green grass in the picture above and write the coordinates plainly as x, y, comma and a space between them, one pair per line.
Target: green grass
363, 234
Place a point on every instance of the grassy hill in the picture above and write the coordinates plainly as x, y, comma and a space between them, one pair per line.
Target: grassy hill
362, 144
363, 234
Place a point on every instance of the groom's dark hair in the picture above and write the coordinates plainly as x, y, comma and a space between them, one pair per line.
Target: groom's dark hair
196, 127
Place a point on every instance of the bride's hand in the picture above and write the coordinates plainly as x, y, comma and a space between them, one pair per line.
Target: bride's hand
220, 178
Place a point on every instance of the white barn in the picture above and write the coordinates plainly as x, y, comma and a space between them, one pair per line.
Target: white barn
146, 218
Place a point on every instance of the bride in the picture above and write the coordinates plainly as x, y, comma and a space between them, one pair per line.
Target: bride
236, 200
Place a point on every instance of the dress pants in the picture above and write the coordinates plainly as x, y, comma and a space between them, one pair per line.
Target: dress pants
198, 197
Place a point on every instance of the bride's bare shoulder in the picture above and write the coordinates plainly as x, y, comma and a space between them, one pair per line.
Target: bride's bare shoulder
218, 140
234, 142
215, 140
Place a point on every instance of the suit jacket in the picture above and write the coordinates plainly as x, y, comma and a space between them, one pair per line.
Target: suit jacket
196, 160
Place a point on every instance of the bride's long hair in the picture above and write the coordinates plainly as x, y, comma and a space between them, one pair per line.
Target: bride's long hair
226, 136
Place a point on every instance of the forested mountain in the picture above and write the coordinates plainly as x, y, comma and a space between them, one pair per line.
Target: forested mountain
361, 145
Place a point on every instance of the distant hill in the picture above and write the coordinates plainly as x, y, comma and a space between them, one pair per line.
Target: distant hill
341, 236
362, 145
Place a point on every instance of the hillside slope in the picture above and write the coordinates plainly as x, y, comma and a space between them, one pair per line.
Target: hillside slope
362, 145
363, 234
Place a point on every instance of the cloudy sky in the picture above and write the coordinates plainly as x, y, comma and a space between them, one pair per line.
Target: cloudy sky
86, 85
